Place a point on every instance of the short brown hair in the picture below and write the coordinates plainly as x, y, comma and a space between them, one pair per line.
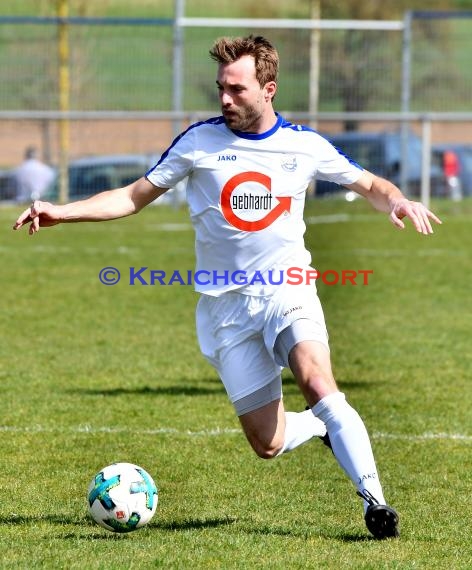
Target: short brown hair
228, 50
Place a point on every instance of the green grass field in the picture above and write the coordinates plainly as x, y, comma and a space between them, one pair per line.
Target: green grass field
92, 374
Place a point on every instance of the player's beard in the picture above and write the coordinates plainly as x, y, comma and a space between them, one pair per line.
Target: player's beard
243, 119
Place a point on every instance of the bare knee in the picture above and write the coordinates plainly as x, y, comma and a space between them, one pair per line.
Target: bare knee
266, 449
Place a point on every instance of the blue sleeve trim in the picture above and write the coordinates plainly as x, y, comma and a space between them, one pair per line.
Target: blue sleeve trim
212, 121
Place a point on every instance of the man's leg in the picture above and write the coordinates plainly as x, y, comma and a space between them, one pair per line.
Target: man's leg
228, 339
311, 365
271, 430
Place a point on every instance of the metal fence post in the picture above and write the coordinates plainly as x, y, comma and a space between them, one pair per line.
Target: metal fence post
405, 100
178, 64
64, 104
426, 160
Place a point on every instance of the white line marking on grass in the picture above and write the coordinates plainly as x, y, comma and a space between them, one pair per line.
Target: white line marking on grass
424, 437
43, 248
342, 218
428, 436
328, 219
407, 253
170, 227
53, 249
366, 252
109, 429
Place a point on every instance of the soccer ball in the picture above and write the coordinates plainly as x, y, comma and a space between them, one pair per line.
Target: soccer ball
122, 497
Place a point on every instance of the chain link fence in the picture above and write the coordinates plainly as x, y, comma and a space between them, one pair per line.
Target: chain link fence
123, 76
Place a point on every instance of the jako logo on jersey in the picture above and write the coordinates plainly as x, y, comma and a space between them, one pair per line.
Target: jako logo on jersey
252, 201
226, 157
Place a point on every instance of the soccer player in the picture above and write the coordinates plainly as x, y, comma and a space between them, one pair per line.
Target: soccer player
247, 172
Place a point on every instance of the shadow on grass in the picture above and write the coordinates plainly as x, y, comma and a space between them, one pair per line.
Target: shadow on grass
19, 520
186, 389
352, 385
154, 391
192, 524
290, 388
65, 520
172, 526
343, 383
175, 526
281, 531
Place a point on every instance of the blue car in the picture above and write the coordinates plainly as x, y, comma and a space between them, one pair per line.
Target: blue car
93, 174
380, 153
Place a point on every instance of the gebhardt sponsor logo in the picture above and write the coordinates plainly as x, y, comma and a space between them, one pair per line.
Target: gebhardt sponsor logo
247, 202
250, 202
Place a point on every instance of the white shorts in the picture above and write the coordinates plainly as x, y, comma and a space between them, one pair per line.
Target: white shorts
237, 333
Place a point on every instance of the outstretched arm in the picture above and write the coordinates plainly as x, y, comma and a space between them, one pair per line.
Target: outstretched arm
107, 205
386, 197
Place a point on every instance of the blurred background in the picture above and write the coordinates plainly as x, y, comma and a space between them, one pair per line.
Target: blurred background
98, 89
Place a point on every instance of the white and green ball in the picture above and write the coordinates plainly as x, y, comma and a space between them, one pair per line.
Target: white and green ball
122, 497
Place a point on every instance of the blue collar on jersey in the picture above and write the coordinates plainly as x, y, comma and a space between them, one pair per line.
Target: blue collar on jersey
257, 136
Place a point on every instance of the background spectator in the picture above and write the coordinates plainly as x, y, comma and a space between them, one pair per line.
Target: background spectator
32, 177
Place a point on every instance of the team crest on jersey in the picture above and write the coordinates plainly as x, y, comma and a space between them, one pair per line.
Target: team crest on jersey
289, 162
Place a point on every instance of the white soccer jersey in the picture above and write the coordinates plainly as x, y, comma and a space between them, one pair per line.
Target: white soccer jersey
246, 195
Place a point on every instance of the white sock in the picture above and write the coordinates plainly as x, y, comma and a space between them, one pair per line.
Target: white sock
350, 443
300, 427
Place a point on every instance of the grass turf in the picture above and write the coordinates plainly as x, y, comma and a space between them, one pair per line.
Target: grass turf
92, 374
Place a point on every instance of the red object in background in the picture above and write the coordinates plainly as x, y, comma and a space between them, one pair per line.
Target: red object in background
451, 163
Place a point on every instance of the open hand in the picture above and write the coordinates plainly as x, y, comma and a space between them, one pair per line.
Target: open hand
39, 214
419, 215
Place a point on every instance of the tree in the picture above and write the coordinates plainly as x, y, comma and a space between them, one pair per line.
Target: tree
362, 70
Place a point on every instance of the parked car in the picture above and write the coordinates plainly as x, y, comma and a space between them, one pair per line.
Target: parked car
7, 185
381, 154
456, 162
93, 174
